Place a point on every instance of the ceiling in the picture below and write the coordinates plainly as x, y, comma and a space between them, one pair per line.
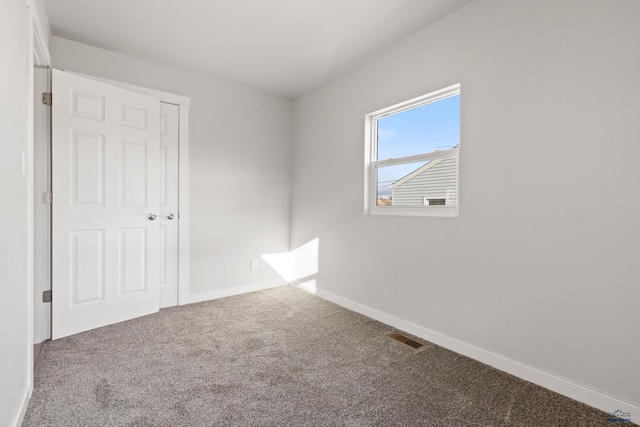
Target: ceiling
283, 47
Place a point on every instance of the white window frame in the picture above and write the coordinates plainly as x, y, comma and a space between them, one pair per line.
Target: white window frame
372, 165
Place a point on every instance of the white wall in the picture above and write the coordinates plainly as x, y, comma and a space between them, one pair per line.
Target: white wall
14, 387
541, 267
239, 165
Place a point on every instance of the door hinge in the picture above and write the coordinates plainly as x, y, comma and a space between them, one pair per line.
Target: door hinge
47, 198
46, 296
47, 98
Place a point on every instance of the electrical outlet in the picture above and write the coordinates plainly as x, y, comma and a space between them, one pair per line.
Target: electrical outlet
254, 264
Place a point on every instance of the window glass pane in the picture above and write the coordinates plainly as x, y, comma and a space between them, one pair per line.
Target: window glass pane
431, 127
431, 183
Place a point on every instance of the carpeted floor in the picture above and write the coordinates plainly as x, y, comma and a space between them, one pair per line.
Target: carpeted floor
279, 357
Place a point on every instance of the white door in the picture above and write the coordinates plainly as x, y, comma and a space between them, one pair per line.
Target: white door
169, 139
105, 185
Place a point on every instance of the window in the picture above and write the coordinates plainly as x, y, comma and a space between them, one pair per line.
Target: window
412, 156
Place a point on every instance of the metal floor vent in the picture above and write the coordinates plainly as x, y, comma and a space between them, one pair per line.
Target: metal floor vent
406, 340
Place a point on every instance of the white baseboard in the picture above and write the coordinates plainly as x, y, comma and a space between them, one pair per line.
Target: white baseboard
22, 408
562, 386
236, 290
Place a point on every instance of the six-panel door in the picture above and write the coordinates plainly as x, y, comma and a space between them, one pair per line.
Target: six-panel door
105, 242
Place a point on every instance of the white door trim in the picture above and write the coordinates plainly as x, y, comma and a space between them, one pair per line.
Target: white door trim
41, 209
183, 175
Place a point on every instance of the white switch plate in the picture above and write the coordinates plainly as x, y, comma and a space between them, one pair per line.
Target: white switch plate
254, 264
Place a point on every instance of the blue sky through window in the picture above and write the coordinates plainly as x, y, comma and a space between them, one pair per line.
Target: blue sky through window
420, 130
431, 127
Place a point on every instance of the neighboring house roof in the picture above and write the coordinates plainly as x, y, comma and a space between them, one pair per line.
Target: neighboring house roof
416, 172
419, 170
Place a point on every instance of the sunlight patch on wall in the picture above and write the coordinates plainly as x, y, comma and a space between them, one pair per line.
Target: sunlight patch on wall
281, 263
298, 264
305, 260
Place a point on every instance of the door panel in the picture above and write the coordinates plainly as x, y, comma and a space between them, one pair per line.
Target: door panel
169, 139
133, 179
87, 168
105, 250
87, 266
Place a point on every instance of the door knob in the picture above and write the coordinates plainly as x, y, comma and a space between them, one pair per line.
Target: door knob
169, 216
152, 216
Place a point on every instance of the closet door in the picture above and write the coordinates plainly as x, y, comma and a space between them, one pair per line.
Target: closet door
169, 146
105, 210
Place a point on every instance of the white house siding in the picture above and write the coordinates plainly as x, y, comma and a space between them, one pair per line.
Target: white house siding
437, 182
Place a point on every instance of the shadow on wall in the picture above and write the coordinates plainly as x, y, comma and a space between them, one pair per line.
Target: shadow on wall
298, 266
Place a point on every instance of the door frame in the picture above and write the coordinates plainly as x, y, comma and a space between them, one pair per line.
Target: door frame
183, 103
41, 209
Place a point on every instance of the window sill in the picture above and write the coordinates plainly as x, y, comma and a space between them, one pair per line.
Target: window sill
433, 211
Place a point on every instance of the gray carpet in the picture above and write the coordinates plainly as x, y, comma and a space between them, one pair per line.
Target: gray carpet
279, 357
